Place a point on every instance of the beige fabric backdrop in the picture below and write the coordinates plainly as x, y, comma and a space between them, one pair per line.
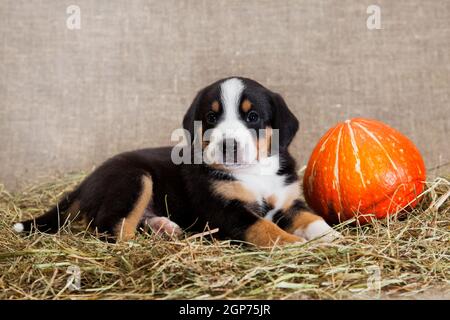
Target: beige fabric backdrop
71, 98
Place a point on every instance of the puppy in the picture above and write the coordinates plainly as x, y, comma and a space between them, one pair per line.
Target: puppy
234, 173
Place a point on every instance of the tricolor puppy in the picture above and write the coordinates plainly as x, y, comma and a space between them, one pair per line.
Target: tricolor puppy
236, 175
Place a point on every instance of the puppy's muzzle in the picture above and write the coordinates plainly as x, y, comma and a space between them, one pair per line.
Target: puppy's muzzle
229, 149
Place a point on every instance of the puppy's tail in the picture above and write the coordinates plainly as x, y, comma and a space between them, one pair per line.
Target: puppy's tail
53, 219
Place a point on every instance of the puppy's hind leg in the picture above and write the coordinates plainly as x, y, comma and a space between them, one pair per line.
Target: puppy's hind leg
123, 206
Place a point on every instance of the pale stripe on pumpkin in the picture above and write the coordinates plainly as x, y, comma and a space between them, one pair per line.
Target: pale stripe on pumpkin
336, 170
355, 152
370, 134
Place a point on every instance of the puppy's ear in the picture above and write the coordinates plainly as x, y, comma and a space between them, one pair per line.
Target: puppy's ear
189, 117
283, 120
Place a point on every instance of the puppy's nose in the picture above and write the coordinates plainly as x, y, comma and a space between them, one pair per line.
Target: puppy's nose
229, 149
229, 146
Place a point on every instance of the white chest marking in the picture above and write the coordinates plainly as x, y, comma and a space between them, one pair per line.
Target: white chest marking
263, 181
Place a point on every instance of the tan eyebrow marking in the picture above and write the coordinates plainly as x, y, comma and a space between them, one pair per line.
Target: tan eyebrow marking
246, 105
215, 106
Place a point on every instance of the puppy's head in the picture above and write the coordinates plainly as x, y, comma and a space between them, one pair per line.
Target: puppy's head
239, 119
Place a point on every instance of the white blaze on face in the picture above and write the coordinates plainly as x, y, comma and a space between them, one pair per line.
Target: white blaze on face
231, 126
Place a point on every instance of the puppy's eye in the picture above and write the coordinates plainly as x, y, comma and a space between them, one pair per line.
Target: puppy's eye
211, 117
252, 116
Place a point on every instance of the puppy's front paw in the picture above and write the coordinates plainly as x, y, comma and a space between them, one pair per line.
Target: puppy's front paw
319, 230
330, 236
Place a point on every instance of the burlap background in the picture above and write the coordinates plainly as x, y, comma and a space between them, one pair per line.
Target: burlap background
71, 98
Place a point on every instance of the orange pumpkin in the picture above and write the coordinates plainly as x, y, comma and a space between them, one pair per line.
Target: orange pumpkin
363, 168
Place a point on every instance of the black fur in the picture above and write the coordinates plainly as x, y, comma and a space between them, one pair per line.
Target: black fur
284, 219
284, 120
